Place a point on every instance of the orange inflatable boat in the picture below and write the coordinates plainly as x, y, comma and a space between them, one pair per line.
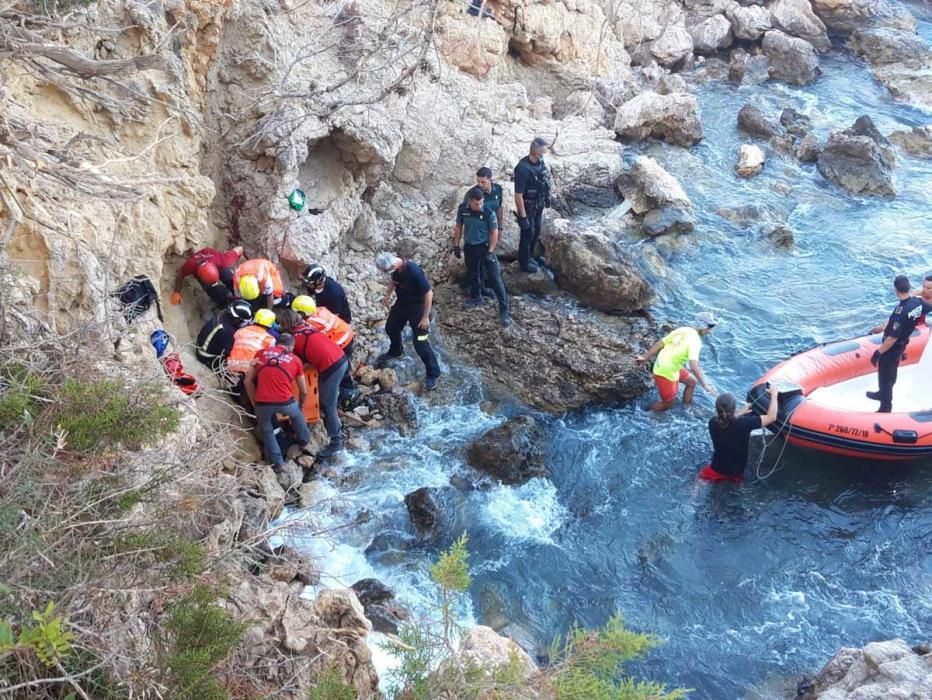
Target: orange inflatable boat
823, 404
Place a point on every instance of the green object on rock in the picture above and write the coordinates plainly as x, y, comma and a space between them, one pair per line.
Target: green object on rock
297, 199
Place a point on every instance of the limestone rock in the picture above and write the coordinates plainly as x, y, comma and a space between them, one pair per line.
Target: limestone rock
850, 15
671, 84
796, 18
859, 159
590, 356
339, 608
519, 282
595, 269
880, 670
484, 648
657, 195
750, 160
423, 509
792, 60
752, 120
473, 46
749, 23
511, 453
917, 141
398, 408
673, 118
711, 35
672, 46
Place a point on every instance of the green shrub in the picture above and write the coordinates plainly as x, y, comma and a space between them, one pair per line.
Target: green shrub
97, 415
186, 558
202, 634
21, 390
331, 686
45, 636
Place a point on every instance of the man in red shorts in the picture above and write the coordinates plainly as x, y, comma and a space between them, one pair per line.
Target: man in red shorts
673, 351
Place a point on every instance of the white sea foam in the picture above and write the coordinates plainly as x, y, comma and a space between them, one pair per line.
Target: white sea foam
531, 511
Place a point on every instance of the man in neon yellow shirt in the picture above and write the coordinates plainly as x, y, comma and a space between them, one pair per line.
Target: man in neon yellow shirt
673, 351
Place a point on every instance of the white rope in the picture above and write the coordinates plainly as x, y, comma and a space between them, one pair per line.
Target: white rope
786, 440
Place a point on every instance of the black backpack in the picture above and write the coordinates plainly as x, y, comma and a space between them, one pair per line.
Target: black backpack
136, 296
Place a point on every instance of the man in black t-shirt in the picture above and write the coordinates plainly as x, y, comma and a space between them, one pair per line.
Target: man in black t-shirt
731, 433
413, 300
327, 292
532, 196
215, 339
896, 335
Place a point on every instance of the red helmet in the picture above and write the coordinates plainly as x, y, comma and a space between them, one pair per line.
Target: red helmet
208, 273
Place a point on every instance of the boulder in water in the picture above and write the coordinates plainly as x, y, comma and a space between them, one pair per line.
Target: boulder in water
859, 159
792, 60
672, 220
883, 46
423, 509
749, 23
752, 120
711, 34
512, 452
808, 149
672, 46
379, 604
794, 122
646, 185
673, 118
589, 356
750, 160
595, 269
780, 235
747, 69
917, 141
796, 18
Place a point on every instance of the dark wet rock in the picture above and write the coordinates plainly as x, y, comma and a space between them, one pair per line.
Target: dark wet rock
256, 517
792, 60
673, 118
595, 269
590, 356
389, 541
859, 159
300, 566
461, 483
512, 452
850, 15
387, 618
672, 220
752, 120
371, 591
779, 234
917, 141
423, 509
591, 196
794, 122
890, 669
808, 149
796, 18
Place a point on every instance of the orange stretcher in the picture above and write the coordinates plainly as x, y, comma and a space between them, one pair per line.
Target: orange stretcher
312, 405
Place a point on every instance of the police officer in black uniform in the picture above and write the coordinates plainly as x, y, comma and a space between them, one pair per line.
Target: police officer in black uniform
532, 196
896, 335
477, 227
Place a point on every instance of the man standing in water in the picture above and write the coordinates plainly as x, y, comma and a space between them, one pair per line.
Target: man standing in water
896, 334
673, 351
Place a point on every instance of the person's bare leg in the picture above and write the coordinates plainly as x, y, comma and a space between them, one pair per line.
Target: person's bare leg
660, 406
690, 383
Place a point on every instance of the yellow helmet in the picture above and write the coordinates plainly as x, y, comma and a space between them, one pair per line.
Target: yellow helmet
265, 317
249, 287
304, 304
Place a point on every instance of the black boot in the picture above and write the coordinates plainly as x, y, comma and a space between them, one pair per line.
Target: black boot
336, 445
383, 359
873, 395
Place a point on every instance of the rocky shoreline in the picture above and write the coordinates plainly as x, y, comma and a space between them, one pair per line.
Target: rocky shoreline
205, 139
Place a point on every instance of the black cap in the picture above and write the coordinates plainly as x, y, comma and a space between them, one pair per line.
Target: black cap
901, 284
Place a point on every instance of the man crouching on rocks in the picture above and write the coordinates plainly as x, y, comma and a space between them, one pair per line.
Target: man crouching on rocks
477, 227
